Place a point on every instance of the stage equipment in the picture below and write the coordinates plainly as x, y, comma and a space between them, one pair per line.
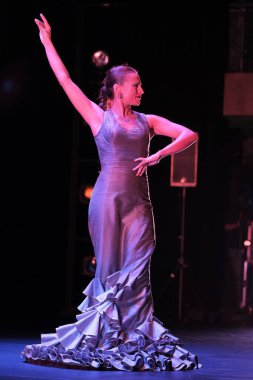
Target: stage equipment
247, 286
183, 173
184, 167
238, 80
240, 52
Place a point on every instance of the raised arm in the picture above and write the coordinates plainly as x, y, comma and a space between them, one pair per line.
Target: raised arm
90, 111
182, 138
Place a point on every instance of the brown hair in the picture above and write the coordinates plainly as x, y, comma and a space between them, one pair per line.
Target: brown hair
114, 75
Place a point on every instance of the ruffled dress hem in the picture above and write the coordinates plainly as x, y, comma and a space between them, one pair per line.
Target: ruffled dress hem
98, 340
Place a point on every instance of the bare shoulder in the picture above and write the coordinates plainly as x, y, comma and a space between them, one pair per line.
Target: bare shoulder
155, 120
151, 119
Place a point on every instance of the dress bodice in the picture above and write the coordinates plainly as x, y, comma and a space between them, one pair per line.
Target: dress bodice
117, 144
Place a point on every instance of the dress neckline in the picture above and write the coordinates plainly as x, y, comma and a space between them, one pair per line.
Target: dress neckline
121, 126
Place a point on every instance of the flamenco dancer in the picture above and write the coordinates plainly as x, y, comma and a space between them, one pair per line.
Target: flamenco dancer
116, 327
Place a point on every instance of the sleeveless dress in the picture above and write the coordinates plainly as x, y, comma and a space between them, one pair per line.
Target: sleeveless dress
116, 327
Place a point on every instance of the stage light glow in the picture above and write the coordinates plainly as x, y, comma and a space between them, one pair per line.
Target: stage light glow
89, 265
85, 193
100, 58
247, 243
183, 180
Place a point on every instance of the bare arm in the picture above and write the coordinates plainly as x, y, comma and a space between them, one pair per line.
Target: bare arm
90, 111
182, 138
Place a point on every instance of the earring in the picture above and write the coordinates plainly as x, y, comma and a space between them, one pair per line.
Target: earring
120, 96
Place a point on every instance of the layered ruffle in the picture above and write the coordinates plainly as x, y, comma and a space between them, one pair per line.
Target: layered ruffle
107, 336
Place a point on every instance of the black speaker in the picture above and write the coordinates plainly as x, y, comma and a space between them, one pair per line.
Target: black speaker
184, 167
237, 102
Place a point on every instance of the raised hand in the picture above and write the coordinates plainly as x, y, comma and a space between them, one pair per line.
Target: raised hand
44, 28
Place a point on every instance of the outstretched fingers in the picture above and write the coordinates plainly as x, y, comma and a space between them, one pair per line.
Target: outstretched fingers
44, 20
141, 167
38, 22
43, 25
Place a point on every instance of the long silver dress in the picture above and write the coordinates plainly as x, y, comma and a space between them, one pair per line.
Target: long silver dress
116, 327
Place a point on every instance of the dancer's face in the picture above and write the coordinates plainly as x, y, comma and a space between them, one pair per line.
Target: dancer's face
132, 90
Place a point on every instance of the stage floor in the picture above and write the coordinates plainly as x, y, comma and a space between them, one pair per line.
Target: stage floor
226, 353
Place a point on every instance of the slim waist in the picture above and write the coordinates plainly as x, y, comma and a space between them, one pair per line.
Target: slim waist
128, 164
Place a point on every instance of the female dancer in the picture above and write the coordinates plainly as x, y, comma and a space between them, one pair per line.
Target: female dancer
116, 327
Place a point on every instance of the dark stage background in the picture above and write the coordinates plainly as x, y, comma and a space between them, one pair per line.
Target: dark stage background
47, 153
